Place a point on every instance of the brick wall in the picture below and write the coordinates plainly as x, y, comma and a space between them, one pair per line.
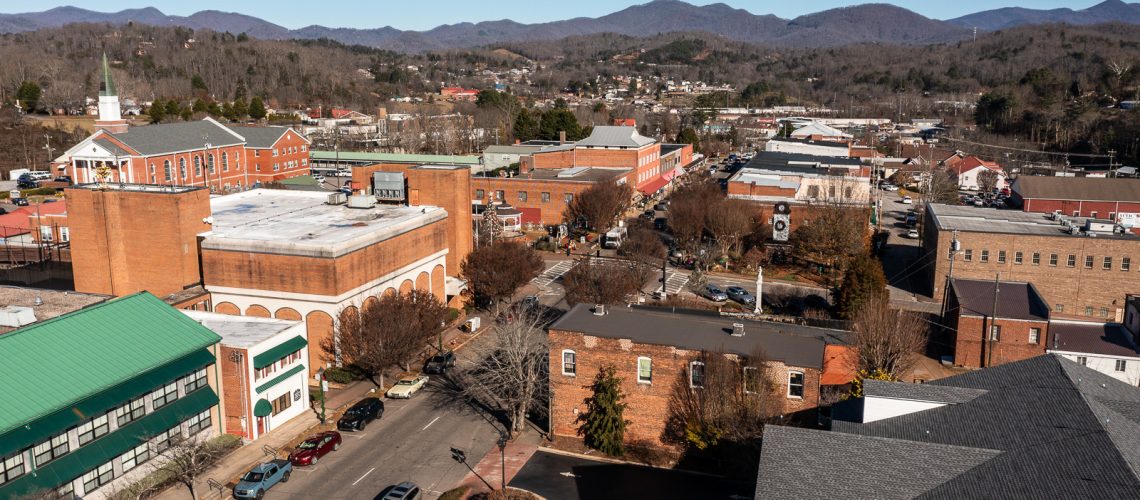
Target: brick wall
552, 209
970, 349
235, 390
1078, 208
292, 160
647, 404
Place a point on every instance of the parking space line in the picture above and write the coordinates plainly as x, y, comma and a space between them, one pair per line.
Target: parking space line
429, 424
364, 476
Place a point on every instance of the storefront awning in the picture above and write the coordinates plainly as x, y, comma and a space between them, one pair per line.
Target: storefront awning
653, 186
262, 408
672, 173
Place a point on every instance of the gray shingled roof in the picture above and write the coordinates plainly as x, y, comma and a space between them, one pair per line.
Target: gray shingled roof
164, 138
920, 392
1077, 188
612, 136
792, 344
112, 147
1014, 300
1094, 338
259, 137
802, 464
1064, 430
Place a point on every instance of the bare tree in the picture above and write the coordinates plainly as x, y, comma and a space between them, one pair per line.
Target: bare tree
644, 246
836, 229
494, 272
987, 180
597, 281
600, 205
888, 339
511, 370
388, 331
731, 400
729, 221
186, 460
689, 209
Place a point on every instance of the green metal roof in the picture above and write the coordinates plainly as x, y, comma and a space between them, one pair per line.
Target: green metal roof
395, 158
54, 365
263, 408
280, 378
102, 450
279, 351
71, 415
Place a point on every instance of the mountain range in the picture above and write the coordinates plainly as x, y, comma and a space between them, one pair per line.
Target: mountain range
867, 23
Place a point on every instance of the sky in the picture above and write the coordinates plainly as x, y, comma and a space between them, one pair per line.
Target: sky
423, 15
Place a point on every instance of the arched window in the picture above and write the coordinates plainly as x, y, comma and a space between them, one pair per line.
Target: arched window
210, 163
197, 166
166, 169
182, 168
225, 162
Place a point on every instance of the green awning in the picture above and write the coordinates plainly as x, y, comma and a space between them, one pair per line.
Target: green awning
280, 378
102, 450
53, 423
262, 408
280, 351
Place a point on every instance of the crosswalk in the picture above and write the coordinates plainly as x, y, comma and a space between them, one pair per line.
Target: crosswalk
552, 273
674, 283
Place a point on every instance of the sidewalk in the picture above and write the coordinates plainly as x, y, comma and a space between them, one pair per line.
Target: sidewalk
490, 467
241, 460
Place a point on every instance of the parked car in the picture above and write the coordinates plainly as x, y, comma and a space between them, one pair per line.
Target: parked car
64, 178
406, 490
40, 175
440, 362
360, 414
978, 202
912, 234
660, 224
714, 293
312, 449
740, 295
406, 387
27, 183
890, 187
261, 477
3, 210
911, 219
663, 206
907, 200
20, 202
649, 215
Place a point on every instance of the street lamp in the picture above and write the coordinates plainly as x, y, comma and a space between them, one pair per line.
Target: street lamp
503, 458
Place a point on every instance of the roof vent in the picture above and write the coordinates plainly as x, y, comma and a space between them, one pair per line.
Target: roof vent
17, 316
39, 301
738, 329
599, 310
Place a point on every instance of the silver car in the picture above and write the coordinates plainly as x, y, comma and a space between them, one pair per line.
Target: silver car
741, 295
714, 293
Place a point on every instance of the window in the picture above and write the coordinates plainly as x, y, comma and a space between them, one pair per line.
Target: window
813, 192
152, 169
968, 255
1001, 256
1125, 263
194, 381
644, 370
1112, 216
751, 379
1083, 361
995, 333
201, 421
1107, 264
165, 395
1088, 261
275, 153
261, 373
479, 194
1088, 310
545, 197
499, 194
210, 164
696, 374
51, 449
182, 168
949, 251
166, 169
569, 363
569, 197
64, 234
796, 385
1121, 364
1053, 260
1092, 214
98, 477
1104, 312
1059, 308
197, 166
130, 412
1034, 335
276, 167
12, 467
1017, 258
522, 196
1036, 258
1071, 261
45, 233
985, 257
304, 148
225, 162
1076, 213
282, 403
162, 441
94, 428
133, 457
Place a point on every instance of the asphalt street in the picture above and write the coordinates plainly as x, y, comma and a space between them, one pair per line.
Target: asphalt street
411, 442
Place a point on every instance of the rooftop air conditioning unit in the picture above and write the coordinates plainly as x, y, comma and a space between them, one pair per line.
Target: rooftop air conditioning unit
738, 329
16, 316
361, 201
337, 198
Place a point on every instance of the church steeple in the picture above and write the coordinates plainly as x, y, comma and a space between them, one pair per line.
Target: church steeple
110, 116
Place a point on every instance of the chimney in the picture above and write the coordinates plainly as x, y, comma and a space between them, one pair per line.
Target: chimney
738, 329
599, 310
561, 137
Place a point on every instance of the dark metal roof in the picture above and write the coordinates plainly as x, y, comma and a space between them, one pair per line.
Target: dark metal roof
165, 138
801, 163
1094, 338
920, 392
1014, 300
794, 345
1077, 188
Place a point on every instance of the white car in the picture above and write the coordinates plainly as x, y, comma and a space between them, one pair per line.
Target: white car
890, 187
907, 201
406, 387
912, 234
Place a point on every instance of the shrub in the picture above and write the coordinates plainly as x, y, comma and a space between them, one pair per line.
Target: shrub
455, 493
44, 191
341, 375
452, 314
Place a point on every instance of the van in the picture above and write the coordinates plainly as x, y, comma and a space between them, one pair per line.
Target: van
41, 175
614, 237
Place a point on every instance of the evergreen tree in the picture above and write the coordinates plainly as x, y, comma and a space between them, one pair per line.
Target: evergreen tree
157, 111
257, 108
863, 281
29, 96
689, 136
173, 108
197, 84
241, 109
240, 92
213, 109
559, 120
199, 106
526, 127
603, 425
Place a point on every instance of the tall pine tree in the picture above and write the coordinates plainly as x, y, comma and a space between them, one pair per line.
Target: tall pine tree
603, 426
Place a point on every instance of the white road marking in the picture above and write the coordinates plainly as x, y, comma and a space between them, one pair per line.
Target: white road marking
569, 474
429, 424
362, 477
553, 273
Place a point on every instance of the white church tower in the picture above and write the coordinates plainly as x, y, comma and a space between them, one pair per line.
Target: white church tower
110, 116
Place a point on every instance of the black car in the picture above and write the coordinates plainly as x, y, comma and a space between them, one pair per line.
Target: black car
358, 416
440, 362
64, 178
27, 184
20, 202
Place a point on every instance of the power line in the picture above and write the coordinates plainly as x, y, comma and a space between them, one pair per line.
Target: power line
1036, 151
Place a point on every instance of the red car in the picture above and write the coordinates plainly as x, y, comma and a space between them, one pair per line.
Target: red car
311, 450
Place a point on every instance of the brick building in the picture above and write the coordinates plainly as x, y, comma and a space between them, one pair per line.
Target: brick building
547, 191
806, 182
994, 327
1080, 273
651, 349
199, 153
1114, 199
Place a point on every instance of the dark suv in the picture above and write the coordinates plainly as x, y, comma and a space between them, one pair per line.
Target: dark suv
358, 416
440, 362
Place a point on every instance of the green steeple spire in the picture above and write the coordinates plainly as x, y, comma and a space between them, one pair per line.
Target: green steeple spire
108, 85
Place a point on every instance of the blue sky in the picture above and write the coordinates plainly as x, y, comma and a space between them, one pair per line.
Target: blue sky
421, 15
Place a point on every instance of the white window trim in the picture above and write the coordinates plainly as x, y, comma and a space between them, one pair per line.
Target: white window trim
744, 377
803, 384
564, 372
691, 365
639, 379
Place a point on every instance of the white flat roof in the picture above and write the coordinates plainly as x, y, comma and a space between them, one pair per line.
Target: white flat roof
287, 222
241, 331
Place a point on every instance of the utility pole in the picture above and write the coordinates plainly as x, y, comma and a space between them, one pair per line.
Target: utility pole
47, 146
993, 325
1112, 162
954, 245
